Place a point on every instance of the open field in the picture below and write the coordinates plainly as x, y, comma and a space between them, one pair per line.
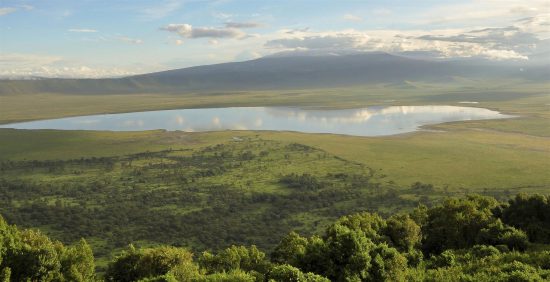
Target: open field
492, 154
24, 107
152, 180
473, 159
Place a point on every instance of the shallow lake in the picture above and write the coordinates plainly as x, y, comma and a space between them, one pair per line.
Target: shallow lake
370, 121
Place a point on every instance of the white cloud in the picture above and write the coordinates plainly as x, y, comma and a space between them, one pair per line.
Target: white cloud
483, 12
222, 16
514, 41
297, 30
7, 10
353, 18
26, 60
538, 24
331, 41
242, 25
188, 31
82, 30
247, 55
33, 65
129, 40
501, 54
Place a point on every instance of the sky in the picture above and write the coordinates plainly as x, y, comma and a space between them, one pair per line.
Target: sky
92, 38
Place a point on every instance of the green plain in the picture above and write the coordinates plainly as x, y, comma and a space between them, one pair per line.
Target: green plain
494, 157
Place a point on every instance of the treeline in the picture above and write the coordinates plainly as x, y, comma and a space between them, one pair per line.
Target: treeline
461, 239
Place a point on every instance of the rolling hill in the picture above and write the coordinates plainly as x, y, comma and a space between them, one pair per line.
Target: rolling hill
289, 70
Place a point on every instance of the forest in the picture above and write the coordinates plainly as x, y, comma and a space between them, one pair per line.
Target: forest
248, 192
207, 197
473, 238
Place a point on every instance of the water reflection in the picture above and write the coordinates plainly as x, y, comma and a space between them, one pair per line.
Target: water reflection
371, 121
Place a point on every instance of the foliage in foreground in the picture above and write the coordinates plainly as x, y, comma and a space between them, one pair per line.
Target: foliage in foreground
28, 255
459, 240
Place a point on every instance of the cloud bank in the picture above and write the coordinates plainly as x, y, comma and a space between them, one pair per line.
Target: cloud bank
515, 41
17, 65
188, 31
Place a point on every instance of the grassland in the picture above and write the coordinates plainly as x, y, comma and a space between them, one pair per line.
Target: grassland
475, 155
494, 157
24, 107
251, 191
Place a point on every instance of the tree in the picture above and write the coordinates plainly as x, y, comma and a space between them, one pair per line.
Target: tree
31, 255
387, 264
231, 276
403, 232
233, 258
370, 224
531, 214
77, 262
497, 233
315, 257
288, 273
420, 215
290, 250
347, 254
457, 223
133, 264
35, 257
5, 274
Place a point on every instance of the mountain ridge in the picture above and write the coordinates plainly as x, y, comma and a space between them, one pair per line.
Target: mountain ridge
286, 72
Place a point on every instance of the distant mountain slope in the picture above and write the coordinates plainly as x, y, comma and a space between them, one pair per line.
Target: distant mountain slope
288, 71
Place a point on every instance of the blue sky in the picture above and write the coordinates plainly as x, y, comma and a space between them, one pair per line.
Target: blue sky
87, 38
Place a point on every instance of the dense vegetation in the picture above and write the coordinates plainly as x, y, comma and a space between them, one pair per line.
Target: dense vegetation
461, 239
242, 192
249, 191
228, 197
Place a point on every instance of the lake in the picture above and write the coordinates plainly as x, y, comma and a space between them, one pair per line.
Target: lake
369, 121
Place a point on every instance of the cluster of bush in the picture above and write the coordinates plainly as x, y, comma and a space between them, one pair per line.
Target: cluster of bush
29, 255
177, 200
462, 239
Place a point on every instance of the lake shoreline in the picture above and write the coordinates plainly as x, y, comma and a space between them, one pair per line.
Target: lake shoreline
364, 121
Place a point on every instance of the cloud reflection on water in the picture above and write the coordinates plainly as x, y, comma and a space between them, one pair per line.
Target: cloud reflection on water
370, 121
